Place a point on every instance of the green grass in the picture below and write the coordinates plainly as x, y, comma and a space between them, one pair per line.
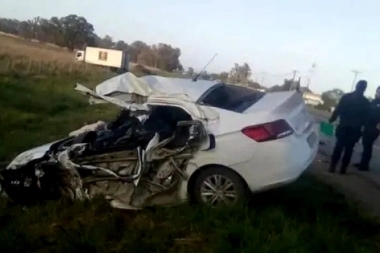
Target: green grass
306, 216
41, 109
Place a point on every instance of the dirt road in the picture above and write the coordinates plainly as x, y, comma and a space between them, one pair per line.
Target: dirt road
330, 142
362, 187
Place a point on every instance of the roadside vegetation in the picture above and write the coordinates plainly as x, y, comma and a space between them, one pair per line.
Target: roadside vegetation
24, 57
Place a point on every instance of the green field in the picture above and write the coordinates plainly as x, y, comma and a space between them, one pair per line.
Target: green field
306, 216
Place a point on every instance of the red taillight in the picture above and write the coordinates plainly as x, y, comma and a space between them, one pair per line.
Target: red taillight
268, 131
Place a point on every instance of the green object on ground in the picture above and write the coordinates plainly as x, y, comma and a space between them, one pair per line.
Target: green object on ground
326, 128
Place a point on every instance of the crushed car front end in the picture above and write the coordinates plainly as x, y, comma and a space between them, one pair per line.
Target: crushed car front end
132, 166
139, 159
19, 180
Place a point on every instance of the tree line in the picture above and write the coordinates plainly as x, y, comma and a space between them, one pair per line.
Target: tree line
75, 32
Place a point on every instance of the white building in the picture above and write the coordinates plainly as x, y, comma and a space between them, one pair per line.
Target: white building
312, 98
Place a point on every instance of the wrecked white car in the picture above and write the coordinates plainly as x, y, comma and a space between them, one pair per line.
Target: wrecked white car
174, 139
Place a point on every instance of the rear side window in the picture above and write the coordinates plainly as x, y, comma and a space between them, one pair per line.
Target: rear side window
231, 97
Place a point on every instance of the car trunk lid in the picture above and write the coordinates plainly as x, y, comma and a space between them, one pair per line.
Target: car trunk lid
288, 105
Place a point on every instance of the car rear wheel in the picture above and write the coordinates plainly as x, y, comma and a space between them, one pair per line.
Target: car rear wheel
219, 186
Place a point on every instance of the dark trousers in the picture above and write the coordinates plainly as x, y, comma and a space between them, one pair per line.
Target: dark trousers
346, 138
369, 137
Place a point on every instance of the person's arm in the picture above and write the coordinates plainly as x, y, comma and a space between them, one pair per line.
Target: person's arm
338, 109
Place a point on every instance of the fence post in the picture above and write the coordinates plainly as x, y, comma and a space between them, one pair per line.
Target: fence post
30, 66
9, 67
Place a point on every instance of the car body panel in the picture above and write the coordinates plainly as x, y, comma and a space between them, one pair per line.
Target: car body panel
264, 166
126, 83
30, 155
194, 90
288, 105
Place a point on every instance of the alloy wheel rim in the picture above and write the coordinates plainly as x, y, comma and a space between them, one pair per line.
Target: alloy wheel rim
218, 189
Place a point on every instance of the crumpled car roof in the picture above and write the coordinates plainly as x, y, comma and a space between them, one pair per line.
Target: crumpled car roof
125, 83
147, 85
179, 85
128, 91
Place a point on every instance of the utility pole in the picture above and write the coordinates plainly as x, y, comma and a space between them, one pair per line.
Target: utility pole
356, 73
298, 88
308, 82
294, 76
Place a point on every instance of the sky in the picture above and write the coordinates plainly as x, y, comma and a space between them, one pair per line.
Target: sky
274, 37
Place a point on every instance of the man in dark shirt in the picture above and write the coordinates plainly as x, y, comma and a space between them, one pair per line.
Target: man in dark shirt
371, 132
352, 110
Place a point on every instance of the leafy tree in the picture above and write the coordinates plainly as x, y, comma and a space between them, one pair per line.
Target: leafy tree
135, 49
223, 76
331, 98
286, 86
106, 42
190, 72
121, 45
240, 73
75, 32
205, 76
147, 57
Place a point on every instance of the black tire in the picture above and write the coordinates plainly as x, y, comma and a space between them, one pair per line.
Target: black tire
239, 184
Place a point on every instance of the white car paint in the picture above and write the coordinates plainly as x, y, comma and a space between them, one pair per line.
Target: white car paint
29, 155
269, 164
262, 165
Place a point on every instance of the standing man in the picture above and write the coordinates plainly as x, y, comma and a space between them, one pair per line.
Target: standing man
352, 110
371, 132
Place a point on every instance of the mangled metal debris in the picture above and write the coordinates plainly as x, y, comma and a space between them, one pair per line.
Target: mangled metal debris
133, 161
